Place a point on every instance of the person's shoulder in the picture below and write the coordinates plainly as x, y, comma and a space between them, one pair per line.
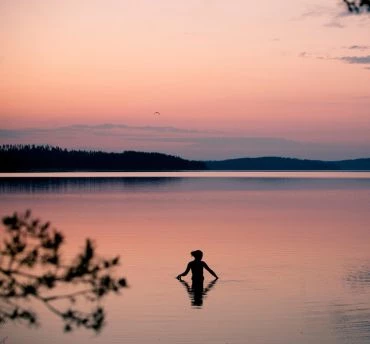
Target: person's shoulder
204, 263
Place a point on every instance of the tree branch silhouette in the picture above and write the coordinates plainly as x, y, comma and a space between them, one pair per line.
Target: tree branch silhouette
31, 267
357, 6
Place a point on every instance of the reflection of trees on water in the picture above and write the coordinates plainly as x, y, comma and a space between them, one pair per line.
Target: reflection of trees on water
78, 184
196, 291
31, 268
52, 185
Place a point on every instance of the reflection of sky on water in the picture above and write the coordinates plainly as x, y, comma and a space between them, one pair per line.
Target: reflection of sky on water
282, 249
351, 317
359, 277
351, 322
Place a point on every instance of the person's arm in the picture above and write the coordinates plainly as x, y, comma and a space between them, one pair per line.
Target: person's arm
210, 270
184, 273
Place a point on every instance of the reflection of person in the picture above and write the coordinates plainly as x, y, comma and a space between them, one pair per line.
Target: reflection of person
196, 291
196, 266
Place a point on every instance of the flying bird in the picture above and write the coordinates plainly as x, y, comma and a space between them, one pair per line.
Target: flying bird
156, 113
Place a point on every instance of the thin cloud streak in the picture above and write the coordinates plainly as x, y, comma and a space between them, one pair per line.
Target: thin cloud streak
107, 127
358, 47
347, 59
355, 59
335, 24
333, 13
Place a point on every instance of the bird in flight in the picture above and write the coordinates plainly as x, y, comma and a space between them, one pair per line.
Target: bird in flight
156, 113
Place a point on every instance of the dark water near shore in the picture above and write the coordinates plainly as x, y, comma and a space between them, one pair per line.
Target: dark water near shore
292, 251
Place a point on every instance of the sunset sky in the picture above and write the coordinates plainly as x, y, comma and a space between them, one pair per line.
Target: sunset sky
229, 78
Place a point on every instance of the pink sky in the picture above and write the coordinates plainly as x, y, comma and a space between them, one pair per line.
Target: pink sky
264, 69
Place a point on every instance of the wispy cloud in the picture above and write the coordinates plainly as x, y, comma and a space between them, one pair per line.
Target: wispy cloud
335, 15
106, 127
360, 60
110, 126
316, 11
335, 23
358, 47
331, 14
355, 59
305, 54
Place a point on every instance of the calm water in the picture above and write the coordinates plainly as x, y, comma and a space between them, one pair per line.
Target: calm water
292, 251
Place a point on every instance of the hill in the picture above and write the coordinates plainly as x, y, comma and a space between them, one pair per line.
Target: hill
270, 163
355, 164
283, 164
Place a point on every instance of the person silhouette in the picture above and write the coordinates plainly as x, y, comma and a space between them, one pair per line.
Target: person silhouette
196, 266
197, 291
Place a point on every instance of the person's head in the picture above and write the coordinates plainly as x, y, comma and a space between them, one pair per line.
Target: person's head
198, 254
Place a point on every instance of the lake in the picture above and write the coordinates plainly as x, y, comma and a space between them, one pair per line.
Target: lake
292, 250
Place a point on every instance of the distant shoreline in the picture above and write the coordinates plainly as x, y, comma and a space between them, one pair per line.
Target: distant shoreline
186, 174
49, 159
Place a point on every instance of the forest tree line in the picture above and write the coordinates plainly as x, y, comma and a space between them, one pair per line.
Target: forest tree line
18, 158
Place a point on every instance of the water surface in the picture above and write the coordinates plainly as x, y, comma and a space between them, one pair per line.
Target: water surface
291, 249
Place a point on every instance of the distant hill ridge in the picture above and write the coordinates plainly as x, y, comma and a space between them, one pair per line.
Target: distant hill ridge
33, 158
280, 163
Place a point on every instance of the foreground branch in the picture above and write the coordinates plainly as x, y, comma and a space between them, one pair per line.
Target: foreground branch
31, 268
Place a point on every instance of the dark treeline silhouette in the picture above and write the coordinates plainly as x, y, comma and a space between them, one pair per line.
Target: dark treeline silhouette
16, 158
30, 158
281, 164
